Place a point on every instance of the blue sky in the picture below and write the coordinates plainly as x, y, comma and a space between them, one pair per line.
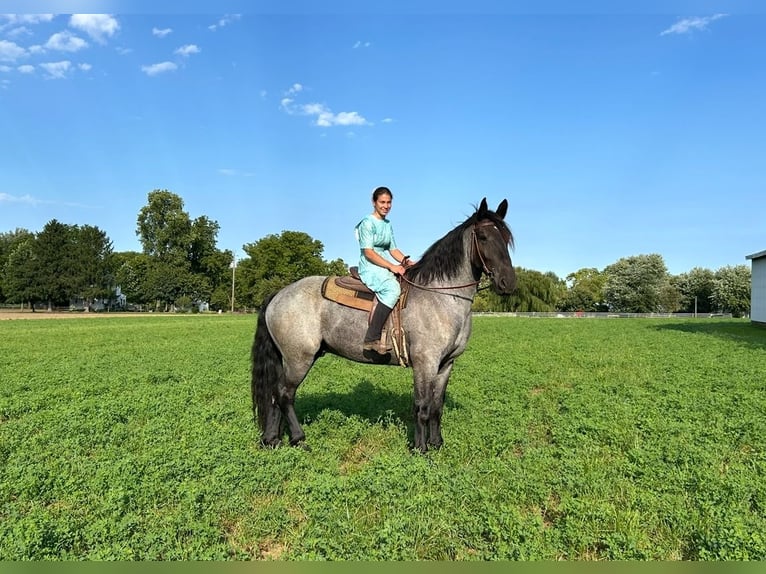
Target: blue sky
611, 132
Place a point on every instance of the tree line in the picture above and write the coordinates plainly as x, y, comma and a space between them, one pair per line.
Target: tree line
180, 266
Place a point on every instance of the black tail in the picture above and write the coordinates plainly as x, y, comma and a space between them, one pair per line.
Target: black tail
267, 370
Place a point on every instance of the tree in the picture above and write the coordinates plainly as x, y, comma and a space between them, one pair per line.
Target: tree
669, 297
585, 291
183, 262
9, 242
19, 276
278, 260
633, 284
93, 273
535, 292
54, 263
164, 228
131, 270
731, 290
696, 288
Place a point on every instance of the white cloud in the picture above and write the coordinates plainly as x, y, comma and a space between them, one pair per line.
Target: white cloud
28, 199
161, 68
57, 70
97, 26
688, 25
224, 21
33, 201
84, 67
65, 42
20, 31
16, 19
294, 89
26, 69
10, 51
187, 50
324, 116
361, 44
161, 33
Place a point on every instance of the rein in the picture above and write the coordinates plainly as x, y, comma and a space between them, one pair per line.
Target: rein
474, 247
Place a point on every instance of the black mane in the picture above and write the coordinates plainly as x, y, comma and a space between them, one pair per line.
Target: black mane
444, 259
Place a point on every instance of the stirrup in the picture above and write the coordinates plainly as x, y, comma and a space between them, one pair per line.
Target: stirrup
379, 346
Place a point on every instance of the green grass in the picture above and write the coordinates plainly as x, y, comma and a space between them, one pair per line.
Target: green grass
132, 438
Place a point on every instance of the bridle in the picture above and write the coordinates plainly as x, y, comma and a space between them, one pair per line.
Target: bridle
475, 251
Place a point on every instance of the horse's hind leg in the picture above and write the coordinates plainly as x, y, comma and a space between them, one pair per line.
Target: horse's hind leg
272, 432
295, 372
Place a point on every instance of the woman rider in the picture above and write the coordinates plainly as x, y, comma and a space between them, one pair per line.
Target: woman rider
376, 237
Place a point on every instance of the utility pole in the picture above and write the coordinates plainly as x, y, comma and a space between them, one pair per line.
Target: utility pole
233, 270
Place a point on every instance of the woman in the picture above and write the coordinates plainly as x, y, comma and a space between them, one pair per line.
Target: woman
376, 236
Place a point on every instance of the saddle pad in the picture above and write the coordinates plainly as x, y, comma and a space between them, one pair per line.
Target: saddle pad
345, 296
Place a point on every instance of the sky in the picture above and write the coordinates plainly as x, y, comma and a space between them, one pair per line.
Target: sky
612, 131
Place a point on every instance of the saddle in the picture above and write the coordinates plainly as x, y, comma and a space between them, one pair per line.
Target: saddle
351, 291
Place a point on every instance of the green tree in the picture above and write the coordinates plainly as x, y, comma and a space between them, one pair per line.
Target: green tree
131, 270
183, 262
669, 297
164, 228
9, 242
93, 273
535, 292
55, 263
585, 291
696, 288
731, 290
20, 274
276, 261
633, 284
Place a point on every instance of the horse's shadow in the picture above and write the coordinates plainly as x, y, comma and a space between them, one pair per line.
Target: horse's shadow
367, 401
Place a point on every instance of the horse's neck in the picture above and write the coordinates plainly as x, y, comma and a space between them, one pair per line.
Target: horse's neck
462, 286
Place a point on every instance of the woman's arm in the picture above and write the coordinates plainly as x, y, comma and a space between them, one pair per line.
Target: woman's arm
376, 258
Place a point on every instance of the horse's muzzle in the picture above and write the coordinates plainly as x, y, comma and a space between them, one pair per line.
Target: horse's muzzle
505, 284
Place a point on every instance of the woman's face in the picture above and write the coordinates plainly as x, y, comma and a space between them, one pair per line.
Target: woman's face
382, 205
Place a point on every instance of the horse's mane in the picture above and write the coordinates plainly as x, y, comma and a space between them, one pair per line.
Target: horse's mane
444, 259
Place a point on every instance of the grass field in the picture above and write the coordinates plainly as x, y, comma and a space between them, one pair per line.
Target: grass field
132, 438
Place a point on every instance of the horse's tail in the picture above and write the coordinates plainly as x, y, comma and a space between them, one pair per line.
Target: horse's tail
267, 369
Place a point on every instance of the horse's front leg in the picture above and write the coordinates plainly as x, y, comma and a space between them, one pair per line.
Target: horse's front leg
430, 387
438, 393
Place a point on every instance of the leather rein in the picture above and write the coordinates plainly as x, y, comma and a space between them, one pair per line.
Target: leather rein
474, 249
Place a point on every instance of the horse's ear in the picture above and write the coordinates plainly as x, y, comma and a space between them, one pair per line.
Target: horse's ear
483, 208
502, 209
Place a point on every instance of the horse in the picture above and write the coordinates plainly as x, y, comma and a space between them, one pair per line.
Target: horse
297, 325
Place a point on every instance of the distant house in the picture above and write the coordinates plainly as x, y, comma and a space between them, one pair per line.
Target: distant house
758, 288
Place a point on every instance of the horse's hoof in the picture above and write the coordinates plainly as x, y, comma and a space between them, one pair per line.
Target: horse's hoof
270, 445
301, 444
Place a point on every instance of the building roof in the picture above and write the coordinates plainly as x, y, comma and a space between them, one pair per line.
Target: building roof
756, 255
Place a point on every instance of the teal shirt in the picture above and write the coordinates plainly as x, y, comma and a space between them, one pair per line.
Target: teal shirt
377, 234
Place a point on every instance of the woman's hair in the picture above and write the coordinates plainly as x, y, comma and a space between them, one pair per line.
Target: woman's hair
381, 191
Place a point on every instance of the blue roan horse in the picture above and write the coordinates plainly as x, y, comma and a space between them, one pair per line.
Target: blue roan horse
297, 325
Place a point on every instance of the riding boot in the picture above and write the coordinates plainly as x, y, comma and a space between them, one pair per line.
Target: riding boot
372, 337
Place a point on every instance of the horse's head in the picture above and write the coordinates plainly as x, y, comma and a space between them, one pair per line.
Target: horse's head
491, 240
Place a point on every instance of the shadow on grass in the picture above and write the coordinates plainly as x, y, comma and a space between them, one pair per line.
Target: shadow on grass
368, 401
738, 331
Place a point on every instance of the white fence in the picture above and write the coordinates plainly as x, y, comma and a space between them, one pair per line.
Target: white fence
594, 315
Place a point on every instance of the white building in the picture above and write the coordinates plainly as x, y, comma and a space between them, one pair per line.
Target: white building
758, 288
